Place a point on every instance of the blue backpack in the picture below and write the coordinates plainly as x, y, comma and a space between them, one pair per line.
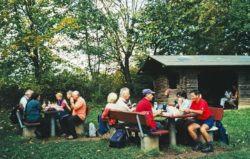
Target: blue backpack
103, 126
222, 134
118, 140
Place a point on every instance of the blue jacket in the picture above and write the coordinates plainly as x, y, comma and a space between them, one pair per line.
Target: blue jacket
32, 111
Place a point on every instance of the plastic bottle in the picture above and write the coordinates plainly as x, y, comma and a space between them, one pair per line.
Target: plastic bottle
155, 105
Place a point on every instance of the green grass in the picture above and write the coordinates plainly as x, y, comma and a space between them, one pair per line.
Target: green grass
13, 145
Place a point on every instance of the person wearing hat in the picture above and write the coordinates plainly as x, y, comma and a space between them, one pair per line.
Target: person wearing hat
145, 105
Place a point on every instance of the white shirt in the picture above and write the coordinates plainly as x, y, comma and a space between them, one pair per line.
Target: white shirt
122, 105
228, 94
24, 101
185, 104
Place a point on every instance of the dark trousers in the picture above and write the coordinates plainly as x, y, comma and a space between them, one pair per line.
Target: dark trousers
71, 122
183, 136
63, 123
43, 130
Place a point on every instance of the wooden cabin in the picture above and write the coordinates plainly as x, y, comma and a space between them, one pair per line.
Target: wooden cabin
211, 74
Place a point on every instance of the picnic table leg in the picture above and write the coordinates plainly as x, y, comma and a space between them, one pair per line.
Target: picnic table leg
172, 132
53, 126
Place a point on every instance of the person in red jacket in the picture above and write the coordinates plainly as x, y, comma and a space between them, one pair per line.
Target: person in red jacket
145, 105
204, 121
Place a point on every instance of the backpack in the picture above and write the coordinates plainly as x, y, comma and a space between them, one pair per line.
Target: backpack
221, 133
103, 126
118, 139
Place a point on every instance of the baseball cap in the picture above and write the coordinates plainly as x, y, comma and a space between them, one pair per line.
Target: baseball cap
147, 91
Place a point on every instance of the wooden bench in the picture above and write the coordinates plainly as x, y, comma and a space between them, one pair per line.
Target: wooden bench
28, 128
149, 140
217, 114
79, 127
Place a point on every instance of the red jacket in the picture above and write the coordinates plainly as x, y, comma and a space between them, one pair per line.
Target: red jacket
105, 117
144, 105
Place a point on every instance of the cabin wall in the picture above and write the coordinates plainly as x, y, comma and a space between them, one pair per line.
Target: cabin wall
188, 81
244, 88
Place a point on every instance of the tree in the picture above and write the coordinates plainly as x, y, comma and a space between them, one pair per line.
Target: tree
27, 30
120, 31
195, 27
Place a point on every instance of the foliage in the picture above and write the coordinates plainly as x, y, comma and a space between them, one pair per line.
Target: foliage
195, 27
111, 34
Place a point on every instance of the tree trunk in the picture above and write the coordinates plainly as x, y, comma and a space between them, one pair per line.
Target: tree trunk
126, 73
37, 68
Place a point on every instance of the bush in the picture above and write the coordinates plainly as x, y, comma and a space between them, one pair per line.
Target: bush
93, 90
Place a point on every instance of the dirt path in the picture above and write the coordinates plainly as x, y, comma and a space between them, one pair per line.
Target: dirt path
186, 155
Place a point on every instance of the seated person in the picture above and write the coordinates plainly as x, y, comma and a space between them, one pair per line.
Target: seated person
230, 97
23, 102
33, 109
111, 102
103, 120
204, 121
68, 95
235, 96
181, 124
182, 102
145, 105
123, 103
63, 113
78, 106
33, 115
226, 98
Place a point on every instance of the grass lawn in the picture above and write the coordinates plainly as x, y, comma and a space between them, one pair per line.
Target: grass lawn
13, 145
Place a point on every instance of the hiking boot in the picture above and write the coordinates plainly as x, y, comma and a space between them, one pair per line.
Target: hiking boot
208, 148
197, 147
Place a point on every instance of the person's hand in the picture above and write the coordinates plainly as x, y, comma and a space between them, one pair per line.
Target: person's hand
180, 100
187, 111
181, 109
133, 109
158, 112
71, 100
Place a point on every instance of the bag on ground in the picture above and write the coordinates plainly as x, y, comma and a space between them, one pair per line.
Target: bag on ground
118, 140
221, 133
103, 126
92, 130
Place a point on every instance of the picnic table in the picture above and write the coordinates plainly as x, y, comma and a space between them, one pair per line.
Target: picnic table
52, 115
172, 128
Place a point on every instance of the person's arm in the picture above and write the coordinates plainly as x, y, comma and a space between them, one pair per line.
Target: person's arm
158, 112
66, 105
78, 104
236, 95
199, 112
